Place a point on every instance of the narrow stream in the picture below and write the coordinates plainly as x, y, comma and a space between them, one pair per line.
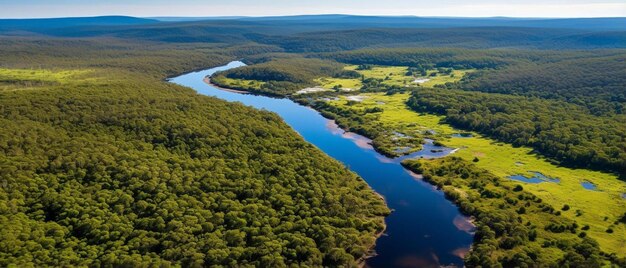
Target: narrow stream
424, 229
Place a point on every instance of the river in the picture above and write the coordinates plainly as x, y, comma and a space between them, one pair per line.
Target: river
424, 229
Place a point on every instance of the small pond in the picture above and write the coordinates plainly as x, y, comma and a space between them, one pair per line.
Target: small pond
429, 150
537, 178
588, 185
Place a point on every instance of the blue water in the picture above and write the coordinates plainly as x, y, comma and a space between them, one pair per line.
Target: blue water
537, 178
429, 150
424, 228
588, 185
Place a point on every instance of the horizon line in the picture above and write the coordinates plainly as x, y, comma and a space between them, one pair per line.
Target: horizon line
307, 15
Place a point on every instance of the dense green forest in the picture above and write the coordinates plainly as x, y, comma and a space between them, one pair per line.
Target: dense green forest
514, 227
562, 131
103, 163
108, 166
597, 82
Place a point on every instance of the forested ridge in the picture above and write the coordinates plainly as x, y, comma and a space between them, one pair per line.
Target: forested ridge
117, 168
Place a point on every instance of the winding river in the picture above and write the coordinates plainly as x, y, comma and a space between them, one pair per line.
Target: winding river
424, 229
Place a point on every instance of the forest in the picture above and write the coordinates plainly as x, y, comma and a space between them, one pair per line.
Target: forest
109, 166
596, 82
104, 163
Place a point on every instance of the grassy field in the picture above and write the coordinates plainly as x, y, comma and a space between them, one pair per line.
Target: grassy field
599, 208
391, 75
23, 79
238, 83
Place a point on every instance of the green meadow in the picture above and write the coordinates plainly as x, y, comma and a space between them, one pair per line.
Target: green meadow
21, 79
242, 84
599, 208
390, 75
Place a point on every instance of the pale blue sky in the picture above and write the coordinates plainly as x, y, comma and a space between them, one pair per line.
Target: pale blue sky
467, 8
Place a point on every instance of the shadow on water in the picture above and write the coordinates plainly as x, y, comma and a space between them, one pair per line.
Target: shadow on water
424, 229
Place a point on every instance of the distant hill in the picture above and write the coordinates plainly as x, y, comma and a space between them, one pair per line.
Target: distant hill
179, 19
318, 33
602, 24
40, 25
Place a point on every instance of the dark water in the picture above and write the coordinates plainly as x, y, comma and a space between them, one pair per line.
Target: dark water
424, 229
538, 178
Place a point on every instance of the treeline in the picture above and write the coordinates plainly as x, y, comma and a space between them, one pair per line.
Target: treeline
429, 57
514, 228
146, 58
597, 82
121, 169
561, 131
332, 33
321, 40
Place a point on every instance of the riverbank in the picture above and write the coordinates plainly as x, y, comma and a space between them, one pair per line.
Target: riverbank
208, 81
371, 252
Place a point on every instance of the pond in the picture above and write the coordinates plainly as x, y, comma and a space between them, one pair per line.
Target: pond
588, 185
537, 178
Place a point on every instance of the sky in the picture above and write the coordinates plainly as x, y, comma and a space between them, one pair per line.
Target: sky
210, 8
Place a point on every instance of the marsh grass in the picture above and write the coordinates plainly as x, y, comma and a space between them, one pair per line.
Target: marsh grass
600, 209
